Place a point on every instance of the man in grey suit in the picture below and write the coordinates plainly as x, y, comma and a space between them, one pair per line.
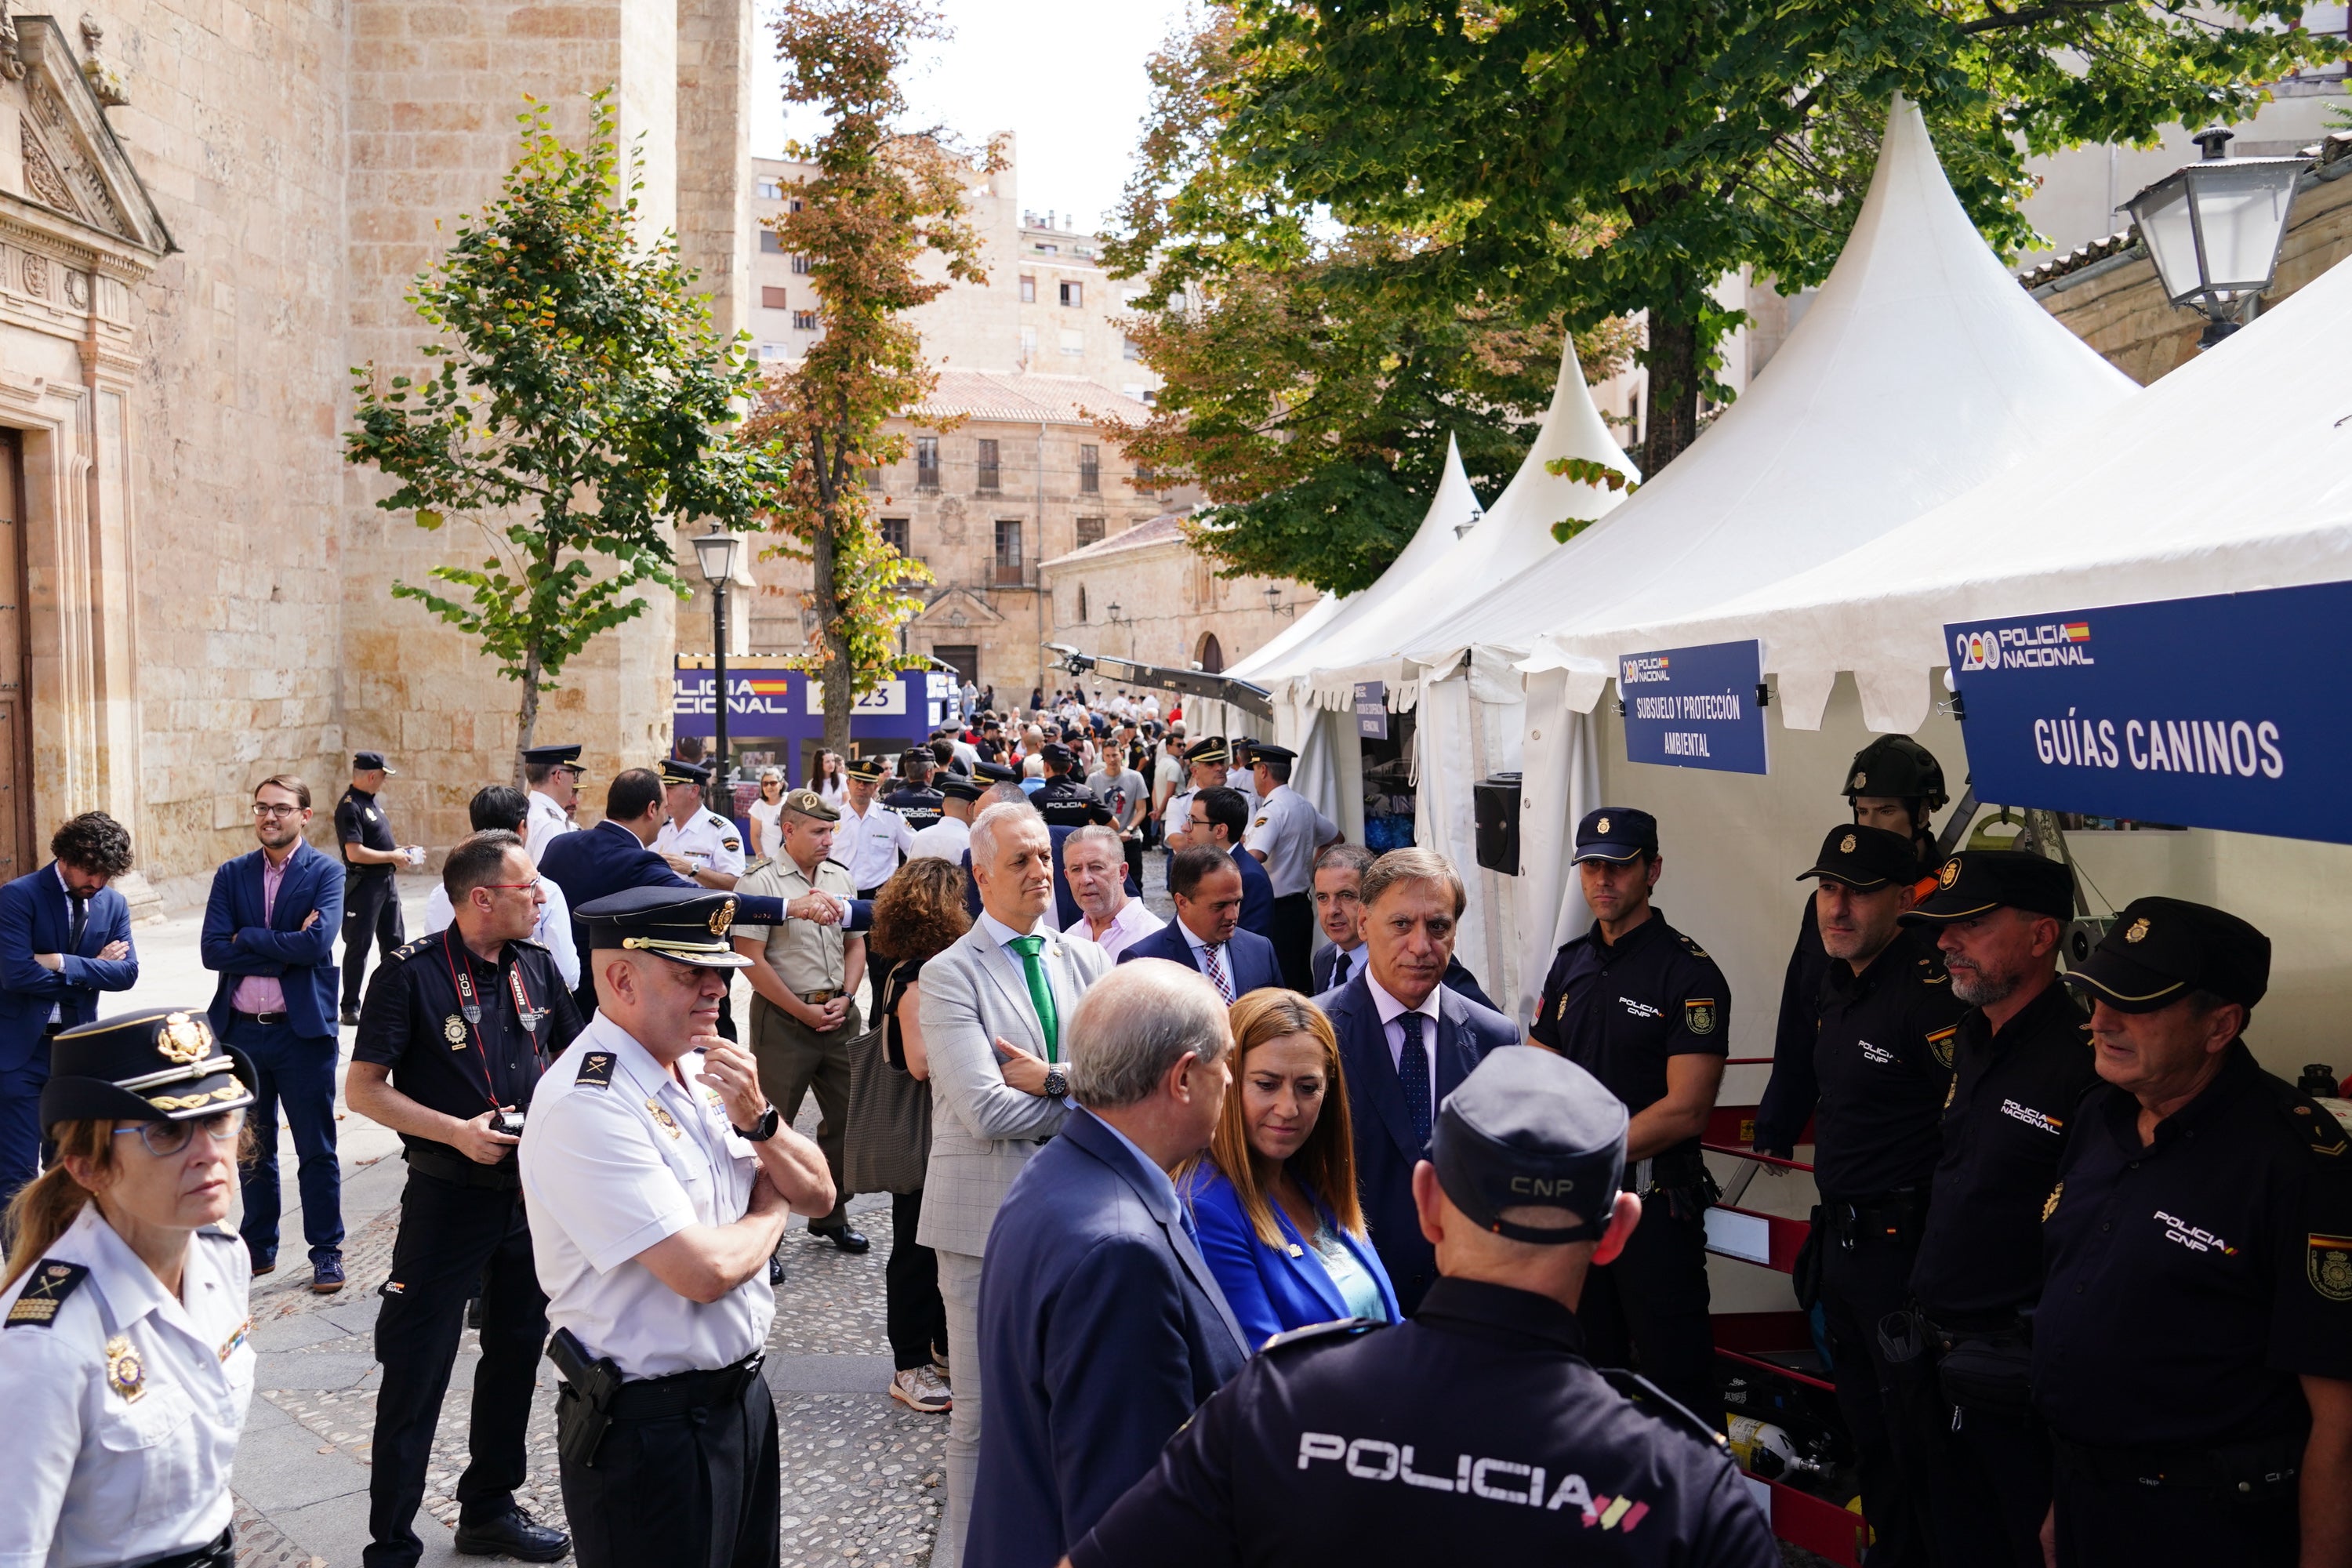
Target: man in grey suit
993, 1006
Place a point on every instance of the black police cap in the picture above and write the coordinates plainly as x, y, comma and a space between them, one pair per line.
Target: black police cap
1266, 751
956, 786
2159, 950
1864, 859
997, 772
1211, 750
160, 1064
674, 771
1898, 768
1616, 833
682, 924
1977, 881
1530, 1128
554, 756
1056, 753
369, 762
865, 770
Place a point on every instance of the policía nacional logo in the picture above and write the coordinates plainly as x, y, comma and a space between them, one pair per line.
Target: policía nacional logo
1846, 845
182, 1039
2139, 931
1948, 875
2327, 1263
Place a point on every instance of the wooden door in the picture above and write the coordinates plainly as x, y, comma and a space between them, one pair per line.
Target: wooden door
19, 853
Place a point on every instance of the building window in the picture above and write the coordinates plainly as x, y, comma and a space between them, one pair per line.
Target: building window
772, 298
927, 462
1089, 475
1008, 552
804, 320
795, 204
1073, 293
1144, 482
774, 351
769, 190
894, 533
1028, 291
802, 263
873, 476
1072, 341
771, 242
1082, 603
1131, 347
989, 472
1090, 531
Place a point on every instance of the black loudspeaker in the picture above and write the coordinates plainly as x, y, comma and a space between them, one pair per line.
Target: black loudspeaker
1496, 803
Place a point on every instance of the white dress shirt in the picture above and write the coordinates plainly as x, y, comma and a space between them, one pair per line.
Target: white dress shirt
1392, 1011
552, 932
1288, 829
1130, 925
546, 824
869, 842
946, 839
709, 841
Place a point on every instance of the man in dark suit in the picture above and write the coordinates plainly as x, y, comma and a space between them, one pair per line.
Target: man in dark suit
269, 932
1101, 1329
1205, 934
1405, 1041
1339, 911
65, 936
1220, 816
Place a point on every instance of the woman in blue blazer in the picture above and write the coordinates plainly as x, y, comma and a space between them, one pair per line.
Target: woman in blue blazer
1275, 1199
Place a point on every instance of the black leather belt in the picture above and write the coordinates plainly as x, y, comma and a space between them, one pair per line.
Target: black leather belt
659, 1398
2260, 1465
218, 1553
268, 1019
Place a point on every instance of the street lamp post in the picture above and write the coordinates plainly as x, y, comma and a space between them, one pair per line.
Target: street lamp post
717, 552
2214, 228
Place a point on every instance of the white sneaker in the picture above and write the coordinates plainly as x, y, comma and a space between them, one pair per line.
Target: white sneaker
919, 1388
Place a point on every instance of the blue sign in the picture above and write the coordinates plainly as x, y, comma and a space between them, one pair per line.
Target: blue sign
2230, 712
766, 701
1695, 706
1373, 709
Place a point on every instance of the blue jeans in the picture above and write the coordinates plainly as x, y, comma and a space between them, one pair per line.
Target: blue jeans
299, 1073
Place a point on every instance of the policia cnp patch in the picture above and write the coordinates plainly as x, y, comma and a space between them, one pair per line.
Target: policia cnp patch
46, 1291
1698, 1015
2327, 1263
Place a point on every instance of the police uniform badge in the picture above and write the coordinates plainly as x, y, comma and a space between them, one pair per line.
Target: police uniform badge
46, 1291
1846, 845
183, 1040
124, 1375
2139, 931
595, 1069
1601, 825
2327, 1263
453, 1029
1940, 1042
722, 918
1698, 1015
1948, 875
1860, 781
668, 1122
2050, 1204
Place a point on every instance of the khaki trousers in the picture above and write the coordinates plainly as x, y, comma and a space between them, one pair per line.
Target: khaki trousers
794, 1060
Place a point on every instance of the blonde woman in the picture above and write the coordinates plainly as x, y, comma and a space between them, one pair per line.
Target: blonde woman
1275, 1199
124, 1302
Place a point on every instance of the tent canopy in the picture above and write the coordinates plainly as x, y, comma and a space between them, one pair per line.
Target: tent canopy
1919, 370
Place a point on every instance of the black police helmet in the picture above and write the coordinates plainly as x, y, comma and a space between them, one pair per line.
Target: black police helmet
1898, 768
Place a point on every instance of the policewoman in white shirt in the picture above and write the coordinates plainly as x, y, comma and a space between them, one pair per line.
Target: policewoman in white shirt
123, 1314
657, 1179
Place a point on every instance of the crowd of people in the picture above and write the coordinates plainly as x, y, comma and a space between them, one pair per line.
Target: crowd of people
1258, 1233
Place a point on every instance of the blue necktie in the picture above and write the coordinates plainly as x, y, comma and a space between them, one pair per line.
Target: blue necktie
1412, 1071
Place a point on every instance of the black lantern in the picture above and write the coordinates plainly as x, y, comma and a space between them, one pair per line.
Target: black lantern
718, 553
2214, 227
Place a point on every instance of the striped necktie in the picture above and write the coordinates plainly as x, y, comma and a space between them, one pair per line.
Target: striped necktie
1213, 954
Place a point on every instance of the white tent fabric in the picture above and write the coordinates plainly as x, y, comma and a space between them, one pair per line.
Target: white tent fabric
1920, 370
2229, 474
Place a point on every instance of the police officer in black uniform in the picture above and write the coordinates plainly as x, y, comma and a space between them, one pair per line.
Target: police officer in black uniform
2022, 1061
1065, 801
457, 1028
1893, 782
1643, 1008
1882, 1060
371, 896
2192, 1350
915, 799
1479, 1429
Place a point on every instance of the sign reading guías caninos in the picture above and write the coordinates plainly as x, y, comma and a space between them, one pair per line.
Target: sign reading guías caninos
2233, 711
1695, 706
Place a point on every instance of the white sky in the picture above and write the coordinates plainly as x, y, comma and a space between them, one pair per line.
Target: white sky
1065, 76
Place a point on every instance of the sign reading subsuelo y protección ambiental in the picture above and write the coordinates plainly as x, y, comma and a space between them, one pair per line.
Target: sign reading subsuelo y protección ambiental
1695, 706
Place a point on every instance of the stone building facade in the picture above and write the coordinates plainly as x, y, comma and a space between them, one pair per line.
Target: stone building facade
1146, 596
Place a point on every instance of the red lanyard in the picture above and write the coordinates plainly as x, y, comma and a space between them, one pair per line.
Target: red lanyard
462, 980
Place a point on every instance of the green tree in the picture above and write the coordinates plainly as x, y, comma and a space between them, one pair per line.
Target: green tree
882, 201
1604, 157
578, 416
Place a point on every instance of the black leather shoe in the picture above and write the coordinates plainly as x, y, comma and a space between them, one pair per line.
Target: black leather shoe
850, 1241
351, 1016
775, 1271
513, 1534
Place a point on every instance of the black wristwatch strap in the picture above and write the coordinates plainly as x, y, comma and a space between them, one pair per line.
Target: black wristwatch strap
762, 1130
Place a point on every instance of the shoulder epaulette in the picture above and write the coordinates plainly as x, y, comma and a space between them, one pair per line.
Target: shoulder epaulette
407, 951
2316, 1128
48, 1284
1690, 947
596, 1069
1329, 1333
1653, 1402
533, 944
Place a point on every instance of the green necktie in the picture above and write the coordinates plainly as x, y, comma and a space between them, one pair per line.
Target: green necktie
1041, 995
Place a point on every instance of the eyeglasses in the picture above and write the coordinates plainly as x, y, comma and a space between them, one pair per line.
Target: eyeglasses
261, 810
534, 882
166, 1138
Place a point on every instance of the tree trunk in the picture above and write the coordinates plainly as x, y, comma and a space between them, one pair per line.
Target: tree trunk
527, 716
1673, 360
832, 631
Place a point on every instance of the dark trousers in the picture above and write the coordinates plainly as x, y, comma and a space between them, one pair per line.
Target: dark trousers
696, 1490
454, 1240
298, 1072
370, 913
1882, 1401
20, 1122
1647, 1311
2119, 1524
915, 1317
1293, 940
1133, 848
794, 1060
1987, 1488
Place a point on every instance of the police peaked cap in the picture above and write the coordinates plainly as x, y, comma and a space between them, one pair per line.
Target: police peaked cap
1974, 881
1898, 768
684, 924
1617, 834
956, 786
1530, 1128
554, 756
1211, 750
865, 769
160, 1064
674, 771
2159, 950
1864, 859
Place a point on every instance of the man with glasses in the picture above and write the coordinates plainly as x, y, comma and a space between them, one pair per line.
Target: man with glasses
457, 1028
553, 774
269, 932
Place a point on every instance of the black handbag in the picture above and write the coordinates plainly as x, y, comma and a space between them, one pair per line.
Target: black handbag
1988, 1371
887, 1146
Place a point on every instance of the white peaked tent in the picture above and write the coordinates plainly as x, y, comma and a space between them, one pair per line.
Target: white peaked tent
1920, 370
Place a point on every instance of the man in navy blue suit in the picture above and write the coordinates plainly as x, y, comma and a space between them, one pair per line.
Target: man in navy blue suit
65, 936
1220, 816
1205, 935
269, 932
1405, 1041
1101, 1328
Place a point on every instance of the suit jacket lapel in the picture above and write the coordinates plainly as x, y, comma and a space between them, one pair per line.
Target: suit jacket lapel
1003, 966
1381, 1085
1097, 1139
1453, 1059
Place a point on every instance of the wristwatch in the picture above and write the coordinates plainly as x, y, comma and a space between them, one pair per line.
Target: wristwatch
1057, 1083
762, 1130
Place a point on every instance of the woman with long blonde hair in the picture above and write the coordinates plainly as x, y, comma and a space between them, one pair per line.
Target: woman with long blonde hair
123, 1352
1275, 1199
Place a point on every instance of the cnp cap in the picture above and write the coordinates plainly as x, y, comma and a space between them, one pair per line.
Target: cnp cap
1525, 1128
1616, 833
865, 770
1267, 751
160, 1064
2159, 950
674, 771
682, 923
1864, 859
1211, 750
808, 803
957, 787
1897, 767
1056, 753
998, 773
554, 756
369, 762
1977, 881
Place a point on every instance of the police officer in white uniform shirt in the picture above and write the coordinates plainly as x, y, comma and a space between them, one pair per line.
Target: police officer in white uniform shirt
1285, 833
871, 836
657, 1179
710, 844
124, 1318
554, 775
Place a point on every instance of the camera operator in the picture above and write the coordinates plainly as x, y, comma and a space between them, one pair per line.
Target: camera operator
457, 1030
